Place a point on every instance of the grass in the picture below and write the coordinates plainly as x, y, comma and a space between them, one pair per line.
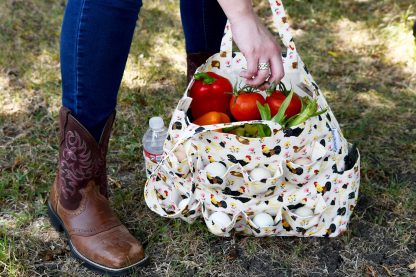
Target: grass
361, 53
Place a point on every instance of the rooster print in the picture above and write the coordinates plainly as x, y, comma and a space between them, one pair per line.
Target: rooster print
177, 125
243, 140
218, 203
214, 180
239, 192
242, 162
297, 170
267, 152
293, 132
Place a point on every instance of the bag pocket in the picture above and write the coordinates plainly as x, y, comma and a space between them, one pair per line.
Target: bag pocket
181, 164
181, 159
262, 220
340, 192
175, 166
305, 165
241, 185
232, 178
299, 217
219, 223
166, 199
259, 184
348, 184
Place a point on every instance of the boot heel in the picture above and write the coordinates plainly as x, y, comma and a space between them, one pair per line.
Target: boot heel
54, 219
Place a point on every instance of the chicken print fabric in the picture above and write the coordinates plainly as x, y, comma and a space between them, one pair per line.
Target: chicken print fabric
312, 198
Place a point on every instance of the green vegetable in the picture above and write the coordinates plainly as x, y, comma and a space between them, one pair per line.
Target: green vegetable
248, 130
229, 129
251, 130
240, 131
309, 109
263, 131
264, 111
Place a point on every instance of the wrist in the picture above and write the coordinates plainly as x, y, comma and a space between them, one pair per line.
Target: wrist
237, 12
243, 16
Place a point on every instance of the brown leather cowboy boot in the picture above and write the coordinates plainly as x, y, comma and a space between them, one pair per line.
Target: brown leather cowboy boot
195, 60
79, 205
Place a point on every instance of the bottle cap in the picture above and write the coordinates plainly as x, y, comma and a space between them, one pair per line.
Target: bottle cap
156, 123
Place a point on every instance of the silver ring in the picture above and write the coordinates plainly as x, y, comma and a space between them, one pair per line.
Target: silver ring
263, 66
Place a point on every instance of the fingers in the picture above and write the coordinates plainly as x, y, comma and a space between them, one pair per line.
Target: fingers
265, 85
251, 71
265, 77
262, 74
276, 66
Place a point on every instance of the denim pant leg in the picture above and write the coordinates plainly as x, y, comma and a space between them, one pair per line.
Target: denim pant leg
203, 23
95, 42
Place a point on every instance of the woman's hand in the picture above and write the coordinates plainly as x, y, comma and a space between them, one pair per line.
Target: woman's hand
256, 43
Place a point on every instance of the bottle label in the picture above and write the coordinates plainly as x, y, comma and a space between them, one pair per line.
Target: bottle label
151, 160
153, 157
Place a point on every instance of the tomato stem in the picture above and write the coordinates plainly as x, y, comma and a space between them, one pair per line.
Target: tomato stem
271, 88
237, 90
205, 78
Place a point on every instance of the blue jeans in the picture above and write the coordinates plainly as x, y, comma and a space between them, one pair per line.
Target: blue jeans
95, 42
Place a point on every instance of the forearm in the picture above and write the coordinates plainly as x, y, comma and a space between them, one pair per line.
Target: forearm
237, 9
255, 42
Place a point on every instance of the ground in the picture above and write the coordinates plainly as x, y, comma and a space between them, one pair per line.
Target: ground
361, 53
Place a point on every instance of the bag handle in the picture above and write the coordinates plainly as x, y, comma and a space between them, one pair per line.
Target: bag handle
280, 22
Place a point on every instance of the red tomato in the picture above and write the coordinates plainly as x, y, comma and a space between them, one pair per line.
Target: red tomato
276, 99
245, 107
210, 92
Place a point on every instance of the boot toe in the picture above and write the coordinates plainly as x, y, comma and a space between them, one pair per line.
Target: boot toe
115, 248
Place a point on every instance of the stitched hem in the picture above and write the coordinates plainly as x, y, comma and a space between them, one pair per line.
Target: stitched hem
76, 69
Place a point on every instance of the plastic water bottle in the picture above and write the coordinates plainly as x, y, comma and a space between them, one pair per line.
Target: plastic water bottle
153, 141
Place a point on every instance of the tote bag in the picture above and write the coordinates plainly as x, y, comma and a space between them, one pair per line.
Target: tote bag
312, 199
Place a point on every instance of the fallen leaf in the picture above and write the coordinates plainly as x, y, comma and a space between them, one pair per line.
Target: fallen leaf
333, 54
412, 266
17, 162
117, 183
370, 272
387, 270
